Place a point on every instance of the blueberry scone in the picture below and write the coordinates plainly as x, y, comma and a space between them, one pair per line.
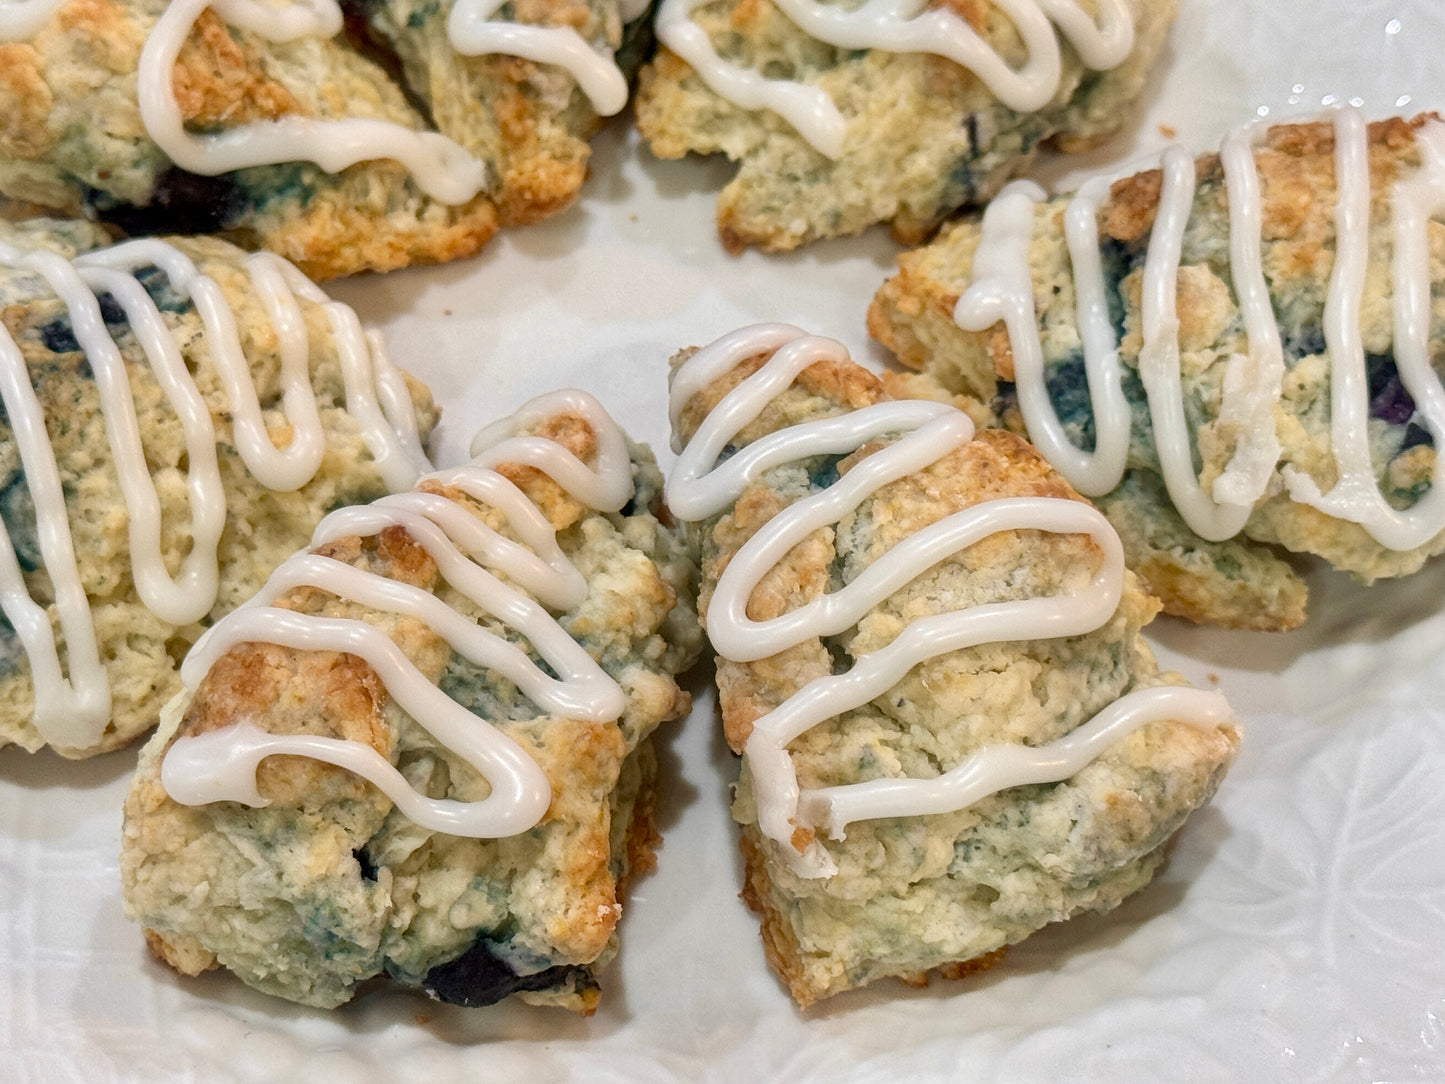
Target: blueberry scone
1235, 356
952, 732
423, 751
342, 134
178, 416
842, 115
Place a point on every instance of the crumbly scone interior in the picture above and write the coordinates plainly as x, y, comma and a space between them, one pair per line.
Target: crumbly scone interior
330, 885
942, 893
1244, 581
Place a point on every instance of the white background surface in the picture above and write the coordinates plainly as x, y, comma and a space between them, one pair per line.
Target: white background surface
1298, 933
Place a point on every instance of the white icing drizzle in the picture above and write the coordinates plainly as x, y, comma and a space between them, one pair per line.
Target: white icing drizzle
472, 32
220, 765
1002, 290
906, 26
21, 19
69, 711
607, 487
699, 488
441, 168
73, 712
1355, 495
1159, 367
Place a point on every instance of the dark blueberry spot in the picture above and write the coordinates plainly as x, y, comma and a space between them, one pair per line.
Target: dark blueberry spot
825, 474
58, 336
110, 310
368, 868
1303, 342
416, 19
1141, 420
1068, 387
962, 189
486, 693
983, 163
1005, 399
1090, 83
1389, 401
1415, 434
478, 978
1118, 259
369, 29
637, 45
158, 284
630, 508
17, 509
181, 203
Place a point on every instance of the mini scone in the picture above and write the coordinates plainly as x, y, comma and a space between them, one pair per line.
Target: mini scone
952, 732
1231, 355
841, 116
406, 139
178, 417
422, 752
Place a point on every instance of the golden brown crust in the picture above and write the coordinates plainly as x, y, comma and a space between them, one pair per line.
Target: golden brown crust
219, 80
779, 946
1241, 608
25, 101
108, 36
345, 229
179, 953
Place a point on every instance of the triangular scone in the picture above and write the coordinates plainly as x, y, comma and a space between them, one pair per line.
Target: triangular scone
930, 658
409, 136
488, 656
1276, 311
178, 417
843, 115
